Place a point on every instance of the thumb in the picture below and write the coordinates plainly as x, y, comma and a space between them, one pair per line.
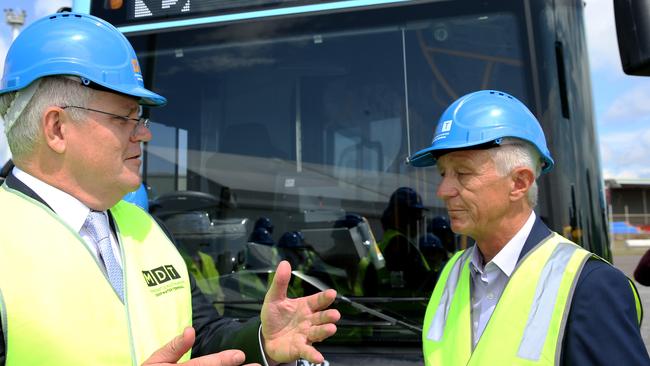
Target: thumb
174, 350
280, 284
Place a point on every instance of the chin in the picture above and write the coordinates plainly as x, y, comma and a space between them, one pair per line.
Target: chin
458, 227
131, 182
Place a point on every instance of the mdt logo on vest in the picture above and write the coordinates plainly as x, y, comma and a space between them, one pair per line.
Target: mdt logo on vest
160, 275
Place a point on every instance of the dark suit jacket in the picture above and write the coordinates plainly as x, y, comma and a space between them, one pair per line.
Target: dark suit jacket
602, 325
213, 332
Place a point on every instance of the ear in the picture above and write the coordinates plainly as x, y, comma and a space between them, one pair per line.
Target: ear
522, 179
54, 129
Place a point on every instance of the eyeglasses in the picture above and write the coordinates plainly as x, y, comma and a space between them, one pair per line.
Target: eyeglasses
138, 121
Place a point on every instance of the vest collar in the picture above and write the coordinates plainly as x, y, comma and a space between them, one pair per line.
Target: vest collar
16, 184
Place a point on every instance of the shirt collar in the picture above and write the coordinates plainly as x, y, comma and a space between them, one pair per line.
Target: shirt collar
68, 208
506, 259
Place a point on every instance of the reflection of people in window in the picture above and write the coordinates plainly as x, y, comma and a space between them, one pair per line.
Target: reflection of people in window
291, 247
436, 255
407, 271
262, 232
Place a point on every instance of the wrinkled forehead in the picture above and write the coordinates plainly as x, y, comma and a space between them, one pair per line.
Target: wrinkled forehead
475, 159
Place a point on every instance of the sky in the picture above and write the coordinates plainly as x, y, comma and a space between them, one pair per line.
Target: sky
34, 9
621, 102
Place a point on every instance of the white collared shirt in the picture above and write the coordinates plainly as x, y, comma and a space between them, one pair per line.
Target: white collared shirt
489, 281
69, 209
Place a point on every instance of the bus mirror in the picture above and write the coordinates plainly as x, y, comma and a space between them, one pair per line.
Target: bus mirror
633, 33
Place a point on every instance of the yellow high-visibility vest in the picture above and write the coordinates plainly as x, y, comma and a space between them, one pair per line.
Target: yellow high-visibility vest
58, 307
527, 325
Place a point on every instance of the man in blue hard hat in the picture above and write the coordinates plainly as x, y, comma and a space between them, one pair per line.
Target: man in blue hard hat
88, 279
523, 295
407, 271
440, 227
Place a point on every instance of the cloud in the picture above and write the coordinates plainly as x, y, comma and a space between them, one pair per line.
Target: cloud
4, 47
601, 35
633, 106
636, 172
626, 154
45, 7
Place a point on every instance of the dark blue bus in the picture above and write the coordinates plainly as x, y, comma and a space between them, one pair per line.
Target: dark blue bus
289, 122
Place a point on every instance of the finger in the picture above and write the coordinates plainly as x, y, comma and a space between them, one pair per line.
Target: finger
310, 354
280, 284
321, 332
321, 300
231, 357
324, 317
174, 350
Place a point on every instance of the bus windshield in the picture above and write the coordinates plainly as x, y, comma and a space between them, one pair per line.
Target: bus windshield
286, 139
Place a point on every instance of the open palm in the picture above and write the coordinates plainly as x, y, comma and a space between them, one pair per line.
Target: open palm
291, 326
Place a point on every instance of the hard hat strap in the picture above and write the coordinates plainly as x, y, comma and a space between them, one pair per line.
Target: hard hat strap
17, 106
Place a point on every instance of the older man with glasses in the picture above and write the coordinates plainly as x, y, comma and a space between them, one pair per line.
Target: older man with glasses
88, 279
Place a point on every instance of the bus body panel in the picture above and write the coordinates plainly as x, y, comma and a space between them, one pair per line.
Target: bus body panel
287, 129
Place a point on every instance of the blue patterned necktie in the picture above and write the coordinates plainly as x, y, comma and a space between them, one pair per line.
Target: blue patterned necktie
97, 227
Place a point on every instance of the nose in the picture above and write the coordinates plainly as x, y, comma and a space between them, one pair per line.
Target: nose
141, 133
446, 189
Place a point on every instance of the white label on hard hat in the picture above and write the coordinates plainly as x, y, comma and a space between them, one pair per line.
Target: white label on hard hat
446, 126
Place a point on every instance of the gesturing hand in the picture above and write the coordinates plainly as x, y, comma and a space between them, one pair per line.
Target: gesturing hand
290, 326
170, 353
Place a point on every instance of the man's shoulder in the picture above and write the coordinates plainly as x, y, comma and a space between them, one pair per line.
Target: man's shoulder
598, 276
602, 323
597, 272
602, 287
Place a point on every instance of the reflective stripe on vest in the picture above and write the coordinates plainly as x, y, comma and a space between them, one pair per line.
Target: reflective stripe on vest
637, 300
58, 307
527, 325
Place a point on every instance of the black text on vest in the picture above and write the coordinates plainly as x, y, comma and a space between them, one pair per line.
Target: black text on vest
160, 275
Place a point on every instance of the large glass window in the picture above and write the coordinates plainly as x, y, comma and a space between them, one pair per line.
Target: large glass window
287, 140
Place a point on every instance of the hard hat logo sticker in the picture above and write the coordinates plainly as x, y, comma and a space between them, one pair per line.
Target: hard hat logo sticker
446, 126
444, 130
136, 66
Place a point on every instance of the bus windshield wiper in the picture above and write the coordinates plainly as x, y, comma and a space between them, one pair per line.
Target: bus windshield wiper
322, 286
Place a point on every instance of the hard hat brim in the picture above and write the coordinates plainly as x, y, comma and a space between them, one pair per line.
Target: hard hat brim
147, 97
430, 155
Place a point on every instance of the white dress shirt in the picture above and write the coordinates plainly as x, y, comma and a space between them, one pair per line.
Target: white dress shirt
489, 281
69, 209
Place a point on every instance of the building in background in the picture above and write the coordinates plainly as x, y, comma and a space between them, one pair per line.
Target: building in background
628, 203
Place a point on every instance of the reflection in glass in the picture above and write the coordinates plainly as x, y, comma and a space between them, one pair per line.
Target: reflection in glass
309, 130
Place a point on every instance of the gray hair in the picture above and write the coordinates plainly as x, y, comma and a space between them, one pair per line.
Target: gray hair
24, 135
515, 153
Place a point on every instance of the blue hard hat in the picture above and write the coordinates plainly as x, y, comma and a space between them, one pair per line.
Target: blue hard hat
261, 235
264, 223
138, 197
482, 119
79, 45
291, 239
429, 241
406, 197
439, 223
